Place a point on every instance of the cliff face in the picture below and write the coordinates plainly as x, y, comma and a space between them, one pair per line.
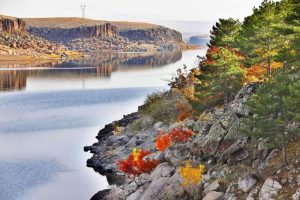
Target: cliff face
152, 34
11, 25
67, 34
108, 36
105, 30
16, 41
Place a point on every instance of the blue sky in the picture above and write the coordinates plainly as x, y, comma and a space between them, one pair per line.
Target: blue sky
134, 10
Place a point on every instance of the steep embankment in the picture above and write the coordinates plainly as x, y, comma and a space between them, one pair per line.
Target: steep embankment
17, 44
237, 167
97, 35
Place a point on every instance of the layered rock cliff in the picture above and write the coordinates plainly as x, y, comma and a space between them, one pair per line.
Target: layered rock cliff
90, 35
17, 43
152, 34
11, 25
62, 35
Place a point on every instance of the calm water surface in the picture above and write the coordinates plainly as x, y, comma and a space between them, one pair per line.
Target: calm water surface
50, 111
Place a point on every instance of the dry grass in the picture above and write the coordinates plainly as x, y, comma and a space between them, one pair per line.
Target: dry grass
7, 17
44, 57
72, 22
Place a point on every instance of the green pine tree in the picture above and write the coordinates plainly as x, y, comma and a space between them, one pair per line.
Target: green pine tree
259, 38
275, 109
220, 80
224, 32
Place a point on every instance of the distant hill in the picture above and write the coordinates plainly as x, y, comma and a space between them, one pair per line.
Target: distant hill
200, 40
74, 22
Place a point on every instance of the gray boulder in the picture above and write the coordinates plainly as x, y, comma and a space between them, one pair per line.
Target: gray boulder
269, 190
246, 183
213, 195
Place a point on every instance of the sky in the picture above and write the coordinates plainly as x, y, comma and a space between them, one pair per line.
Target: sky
132, 10
190, 17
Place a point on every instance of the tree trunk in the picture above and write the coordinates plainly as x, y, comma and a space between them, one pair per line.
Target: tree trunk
285, 66
283, 150
284, 160
269, 67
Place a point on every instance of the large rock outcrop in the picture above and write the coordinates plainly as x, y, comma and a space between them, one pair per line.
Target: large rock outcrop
67, 34
152, 34
12, 24
92, 36
16, 41
235, 164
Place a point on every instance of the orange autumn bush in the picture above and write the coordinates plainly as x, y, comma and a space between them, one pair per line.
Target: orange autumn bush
259, 72
164, 140
136, 163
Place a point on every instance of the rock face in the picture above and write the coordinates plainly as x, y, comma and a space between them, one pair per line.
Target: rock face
11, 25
152, 34
110, 37
64, 35
14, 40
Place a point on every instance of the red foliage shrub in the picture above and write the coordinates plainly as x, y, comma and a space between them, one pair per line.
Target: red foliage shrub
163, 141
180, 135
136, 164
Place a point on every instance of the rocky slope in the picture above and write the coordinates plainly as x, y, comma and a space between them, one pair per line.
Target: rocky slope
236, 166
16, 41
93, 35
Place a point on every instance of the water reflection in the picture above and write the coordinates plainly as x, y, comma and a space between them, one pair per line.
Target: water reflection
15, 76
13, 80
64, 105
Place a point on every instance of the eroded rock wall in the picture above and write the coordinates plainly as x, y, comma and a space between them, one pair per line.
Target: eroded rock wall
152, 34
67, 34
12, 25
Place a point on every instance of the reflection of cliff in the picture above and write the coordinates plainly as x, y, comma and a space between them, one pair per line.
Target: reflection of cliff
12, 80
158, 59
132, 60
100, 65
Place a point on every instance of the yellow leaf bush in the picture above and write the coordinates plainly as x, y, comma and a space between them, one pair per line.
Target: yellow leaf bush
191, 175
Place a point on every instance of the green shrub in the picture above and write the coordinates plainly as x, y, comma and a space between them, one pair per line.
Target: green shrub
162, 106
141, 124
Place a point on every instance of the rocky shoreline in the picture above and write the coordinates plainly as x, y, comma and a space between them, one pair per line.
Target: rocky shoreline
237, 167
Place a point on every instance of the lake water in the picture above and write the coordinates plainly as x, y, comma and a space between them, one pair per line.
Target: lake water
50, 111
